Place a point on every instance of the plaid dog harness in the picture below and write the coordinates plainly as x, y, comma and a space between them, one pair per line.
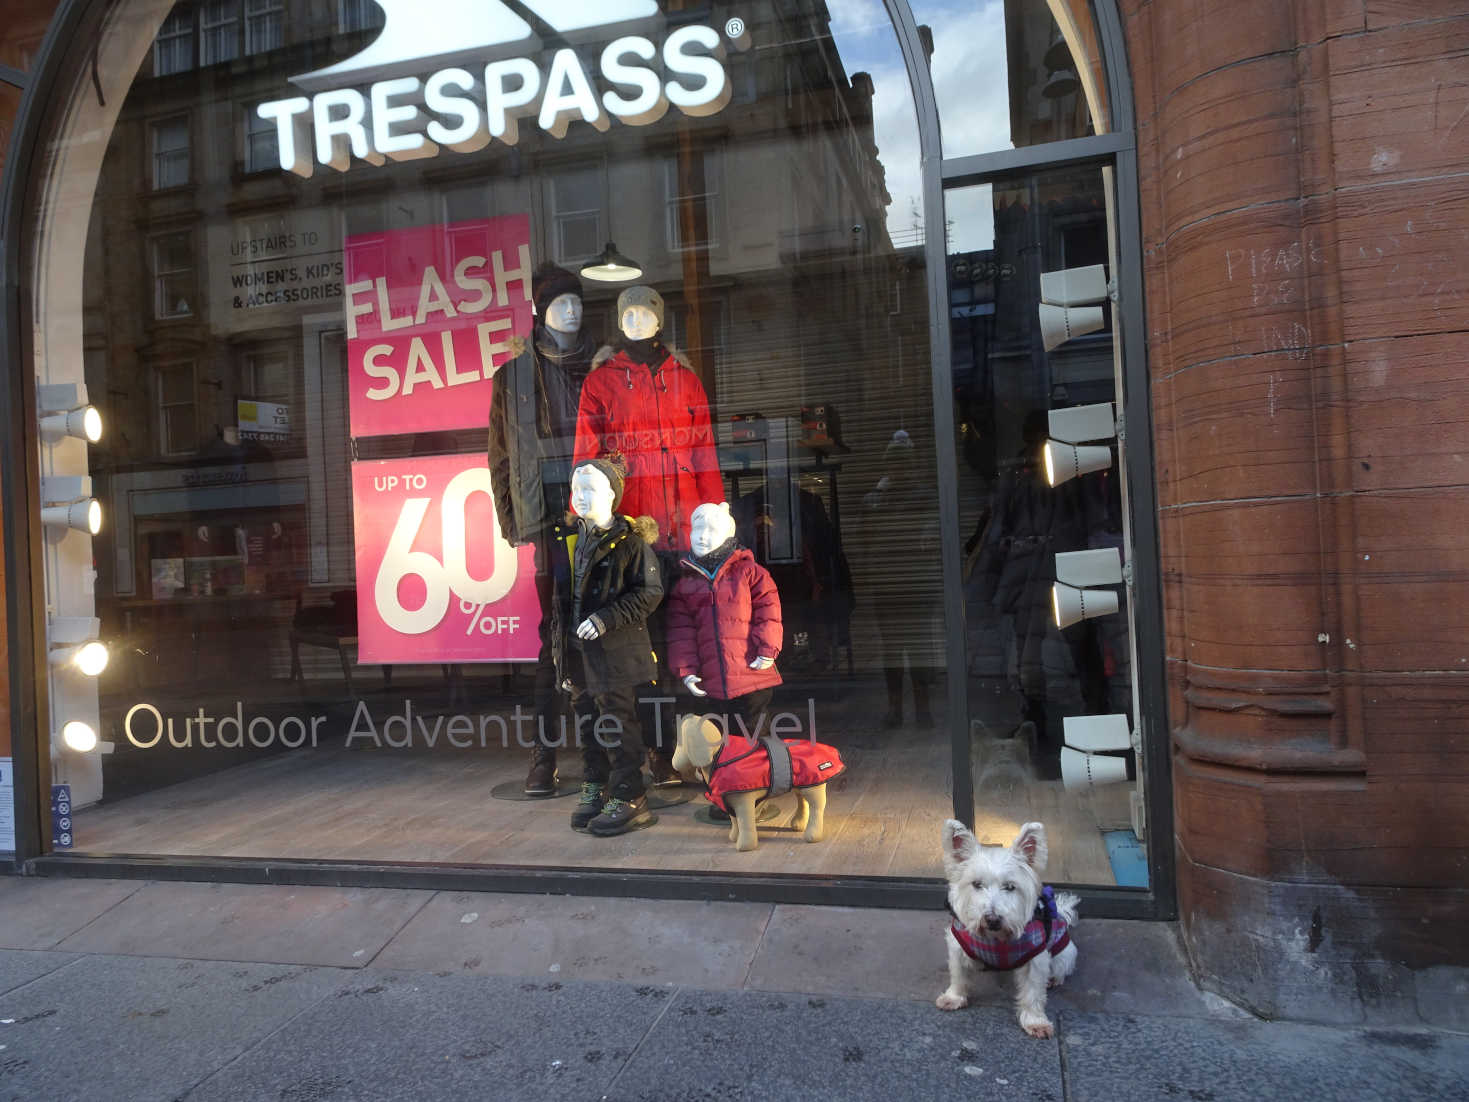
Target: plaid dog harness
1046, 931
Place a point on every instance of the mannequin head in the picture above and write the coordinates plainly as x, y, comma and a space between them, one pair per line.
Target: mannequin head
592, 495
640, 313
712, 525
596, 489
638, 323
563, 314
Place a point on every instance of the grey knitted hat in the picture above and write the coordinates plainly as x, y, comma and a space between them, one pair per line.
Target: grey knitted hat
641, 296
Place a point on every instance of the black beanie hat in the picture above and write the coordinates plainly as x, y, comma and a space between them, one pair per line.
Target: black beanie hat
615, 471
548, 282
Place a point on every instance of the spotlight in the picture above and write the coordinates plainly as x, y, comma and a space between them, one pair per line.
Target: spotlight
1087, 757
1072, 597
1067, 307
73, 642
1064, 459
611, 267
64, 412
67, 502
90, 658
79, 736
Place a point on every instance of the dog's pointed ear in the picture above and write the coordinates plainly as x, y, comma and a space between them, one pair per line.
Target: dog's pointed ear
959, 843
1030, 846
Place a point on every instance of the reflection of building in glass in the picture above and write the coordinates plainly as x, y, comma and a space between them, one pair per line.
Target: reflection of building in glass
763, 225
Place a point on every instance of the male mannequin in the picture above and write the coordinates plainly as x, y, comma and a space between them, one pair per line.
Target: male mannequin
724, 622
607, 585
532, 433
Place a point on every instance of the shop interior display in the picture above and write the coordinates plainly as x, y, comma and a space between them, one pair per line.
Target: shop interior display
740, 772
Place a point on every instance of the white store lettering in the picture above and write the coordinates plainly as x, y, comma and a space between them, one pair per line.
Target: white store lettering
472, 100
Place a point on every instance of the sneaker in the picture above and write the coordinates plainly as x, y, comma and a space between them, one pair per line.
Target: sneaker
589, 806
664, 774
541, 780
620, 816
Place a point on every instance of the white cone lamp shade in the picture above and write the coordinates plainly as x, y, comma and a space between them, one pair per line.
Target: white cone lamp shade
79, 736
1091, 734
1065, 461
81, 516
1060, 324
1071, 605
1087, 771
84, 424
1072, 597
611, 267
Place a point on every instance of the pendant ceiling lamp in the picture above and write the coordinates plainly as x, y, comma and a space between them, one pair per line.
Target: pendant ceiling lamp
611, 267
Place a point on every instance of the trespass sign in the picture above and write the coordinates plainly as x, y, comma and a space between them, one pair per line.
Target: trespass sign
459, 74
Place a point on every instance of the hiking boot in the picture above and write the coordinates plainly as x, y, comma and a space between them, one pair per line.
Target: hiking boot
593, 796
541, 780
620, 816
664, 774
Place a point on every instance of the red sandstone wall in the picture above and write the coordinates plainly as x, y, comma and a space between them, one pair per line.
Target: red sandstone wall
1305, 208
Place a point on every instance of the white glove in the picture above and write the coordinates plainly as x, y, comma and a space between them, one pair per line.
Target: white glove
589, 628
691, 682
762, 662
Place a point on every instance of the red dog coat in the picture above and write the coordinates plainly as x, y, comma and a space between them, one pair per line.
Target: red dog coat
743, 765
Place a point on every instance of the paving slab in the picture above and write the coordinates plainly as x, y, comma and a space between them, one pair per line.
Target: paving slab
762, 1045
337, 927
38, 912
643, 941
393, 1036
1146, 1059
132, 1028
19, 967
853, 950
1131, 967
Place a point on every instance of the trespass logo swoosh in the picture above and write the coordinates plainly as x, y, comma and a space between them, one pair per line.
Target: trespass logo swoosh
447, 30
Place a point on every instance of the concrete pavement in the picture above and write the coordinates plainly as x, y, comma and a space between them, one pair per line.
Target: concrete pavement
158, 990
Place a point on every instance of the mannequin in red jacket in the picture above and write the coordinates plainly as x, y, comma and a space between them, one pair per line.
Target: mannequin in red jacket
724, 624
643, 401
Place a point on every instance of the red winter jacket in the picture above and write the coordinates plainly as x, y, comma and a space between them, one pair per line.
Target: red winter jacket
743, 765
717, 626
659, 421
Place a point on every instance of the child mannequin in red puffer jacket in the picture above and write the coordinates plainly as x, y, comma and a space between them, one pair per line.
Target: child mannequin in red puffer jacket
724, 623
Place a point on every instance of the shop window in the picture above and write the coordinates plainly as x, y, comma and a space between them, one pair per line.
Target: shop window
173, 49
262, 146
170, 152
576, 214
263, 25
178, 411
173, 275
691, 207
219, 31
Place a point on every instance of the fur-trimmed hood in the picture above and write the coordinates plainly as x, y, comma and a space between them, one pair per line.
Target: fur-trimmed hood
644, 527
607, 351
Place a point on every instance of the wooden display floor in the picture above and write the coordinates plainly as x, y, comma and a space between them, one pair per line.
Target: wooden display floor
332, 803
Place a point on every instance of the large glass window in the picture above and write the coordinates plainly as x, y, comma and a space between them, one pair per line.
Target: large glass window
350, 616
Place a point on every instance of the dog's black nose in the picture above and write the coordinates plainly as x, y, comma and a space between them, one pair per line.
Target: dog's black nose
992, 921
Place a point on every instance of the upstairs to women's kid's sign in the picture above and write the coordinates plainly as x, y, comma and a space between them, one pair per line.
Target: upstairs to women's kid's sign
430, 312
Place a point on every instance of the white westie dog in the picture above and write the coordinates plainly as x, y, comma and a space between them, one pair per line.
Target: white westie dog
1004, 920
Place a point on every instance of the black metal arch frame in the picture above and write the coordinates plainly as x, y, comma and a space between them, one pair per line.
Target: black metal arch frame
79, 20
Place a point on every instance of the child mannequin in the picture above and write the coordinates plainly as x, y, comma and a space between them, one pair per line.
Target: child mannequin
607, 585
724, 622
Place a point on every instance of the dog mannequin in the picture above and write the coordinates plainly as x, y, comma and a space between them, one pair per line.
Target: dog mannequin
702, 750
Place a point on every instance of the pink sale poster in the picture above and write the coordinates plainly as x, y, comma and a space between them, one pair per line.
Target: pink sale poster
430, 311
436, 581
